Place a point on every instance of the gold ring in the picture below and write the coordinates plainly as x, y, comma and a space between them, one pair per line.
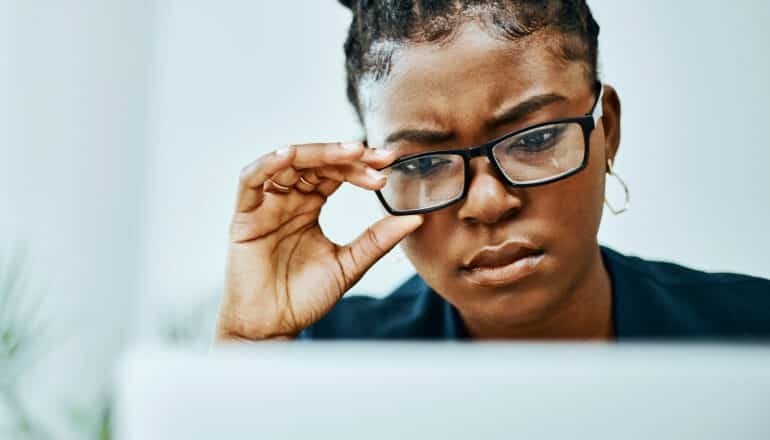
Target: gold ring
305, 181
279, 187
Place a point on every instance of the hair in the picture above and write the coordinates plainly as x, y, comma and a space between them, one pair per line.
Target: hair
379, 27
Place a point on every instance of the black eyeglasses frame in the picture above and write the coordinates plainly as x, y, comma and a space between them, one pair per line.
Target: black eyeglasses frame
587, 122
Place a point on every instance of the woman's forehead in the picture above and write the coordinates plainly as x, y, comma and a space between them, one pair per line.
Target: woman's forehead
475, 74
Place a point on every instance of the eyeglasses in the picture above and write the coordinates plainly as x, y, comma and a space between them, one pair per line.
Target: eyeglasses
535, 155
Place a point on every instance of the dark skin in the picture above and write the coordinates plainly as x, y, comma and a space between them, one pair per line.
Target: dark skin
438, 103
283, 274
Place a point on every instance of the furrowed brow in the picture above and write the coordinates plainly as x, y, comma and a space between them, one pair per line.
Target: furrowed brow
523, 109
419, 136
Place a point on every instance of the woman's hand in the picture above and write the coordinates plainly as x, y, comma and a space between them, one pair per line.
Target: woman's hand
283, 274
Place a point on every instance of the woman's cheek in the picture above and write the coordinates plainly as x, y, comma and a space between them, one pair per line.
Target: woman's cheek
585, 211
425, 250
420, 242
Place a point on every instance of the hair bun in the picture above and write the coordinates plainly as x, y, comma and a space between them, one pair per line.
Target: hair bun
347, 3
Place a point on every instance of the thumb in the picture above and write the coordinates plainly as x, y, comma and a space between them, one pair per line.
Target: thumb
358, 256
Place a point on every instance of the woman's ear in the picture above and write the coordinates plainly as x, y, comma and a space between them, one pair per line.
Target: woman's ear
611, 121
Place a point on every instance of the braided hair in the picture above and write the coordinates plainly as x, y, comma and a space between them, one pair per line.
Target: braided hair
380, 26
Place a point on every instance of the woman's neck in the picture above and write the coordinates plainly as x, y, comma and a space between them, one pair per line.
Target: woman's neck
585, 315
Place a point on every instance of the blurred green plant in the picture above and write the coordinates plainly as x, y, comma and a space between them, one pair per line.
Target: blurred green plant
93, 422
24, 341
21, 346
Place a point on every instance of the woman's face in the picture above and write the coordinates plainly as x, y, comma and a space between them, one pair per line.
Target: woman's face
445, 96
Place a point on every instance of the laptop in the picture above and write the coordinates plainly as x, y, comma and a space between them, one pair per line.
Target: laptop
383, 390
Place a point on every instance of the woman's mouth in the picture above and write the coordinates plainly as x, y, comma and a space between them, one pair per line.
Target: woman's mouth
502, 265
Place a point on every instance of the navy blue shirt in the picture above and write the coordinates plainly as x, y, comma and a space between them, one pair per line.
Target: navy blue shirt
650, 299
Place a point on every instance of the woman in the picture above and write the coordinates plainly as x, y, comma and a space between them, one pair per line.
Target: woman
489, 139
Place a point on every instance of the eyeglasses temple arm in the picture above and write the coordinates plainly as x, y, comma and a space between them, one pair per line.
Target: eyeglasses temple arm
596, 112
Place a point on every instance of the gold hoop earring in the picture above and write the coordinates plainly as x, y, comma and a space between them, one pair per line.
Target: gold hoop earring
612, 209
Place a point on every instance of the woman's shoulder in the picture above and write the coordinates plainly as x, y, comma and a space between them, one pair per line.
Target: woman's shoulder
660, 298
677, 275
411, 311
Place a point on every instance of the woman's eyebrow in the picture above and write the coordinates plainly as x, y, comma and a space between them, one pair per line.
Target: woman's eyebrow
522, 109
508, 116
420, 136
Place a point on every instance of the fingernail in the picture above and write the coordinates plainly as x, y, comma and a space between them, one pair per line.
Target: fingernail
381, 154
283, 151
350, 146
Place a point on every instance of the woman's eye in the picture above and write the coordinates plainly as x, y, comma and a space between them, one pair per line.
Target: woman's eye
536, 141
421, 167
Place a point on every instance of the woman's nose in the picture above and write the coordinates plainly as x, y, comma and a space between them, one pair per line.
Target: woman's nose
489, 199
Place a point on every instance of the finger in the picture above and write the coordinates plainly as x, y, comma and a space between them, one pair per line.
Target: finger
254, 175
327, 187
276, 188
307, 181
333, 153
358, 256
311, 177
358, 174
287, 212
286, 177
378, 158
304, 185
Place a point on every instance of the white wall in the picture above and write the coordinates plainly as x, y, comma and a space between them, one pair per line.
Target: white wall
693, 80
74, 99
5, 104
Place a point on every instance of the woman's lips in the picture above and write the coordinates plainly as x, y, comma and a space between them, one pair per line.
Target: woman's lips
502, 265
489, 276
